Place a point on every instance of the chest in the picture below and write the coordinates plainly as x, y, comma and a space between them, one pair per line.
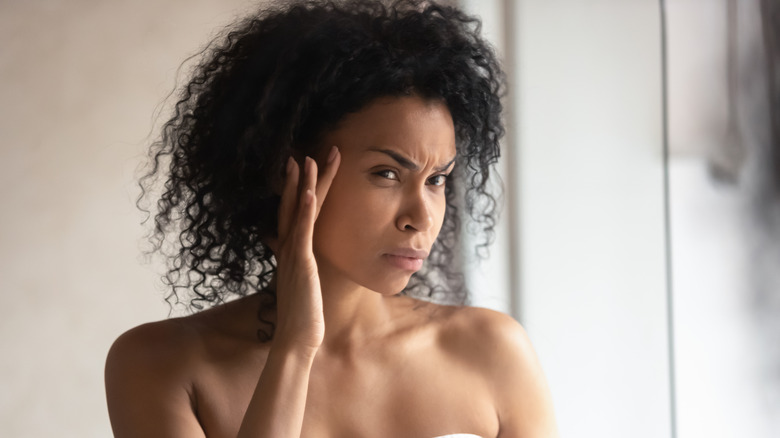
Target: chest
423, 396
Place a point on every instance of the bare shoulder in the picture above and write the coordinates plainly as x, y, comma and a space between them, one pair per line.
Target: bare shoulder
175, 347
479, 333
164, 345
149, 380
498, 348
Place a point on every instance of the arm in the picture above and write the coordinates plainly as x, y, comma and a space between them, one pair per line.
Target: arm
277, 406
524, 402
147, 390
147, 370
149, 395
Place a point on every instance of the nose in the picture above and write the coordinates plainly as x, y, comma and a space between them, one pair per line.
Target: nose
415, 213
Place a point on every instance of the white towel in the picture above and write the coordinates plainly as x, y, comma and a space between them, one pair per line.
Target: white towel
459, 435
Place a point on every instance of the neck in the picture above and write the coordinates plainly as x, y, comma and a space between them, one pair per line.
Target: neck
354, 315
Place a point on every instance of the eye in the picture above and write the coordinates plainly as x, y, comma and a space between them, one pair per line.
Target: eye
387, 174
438, 180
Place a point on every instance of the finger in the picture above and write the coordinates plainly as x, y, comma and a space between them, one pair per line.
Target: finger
307, 207
310, 176
326, 178
289, 198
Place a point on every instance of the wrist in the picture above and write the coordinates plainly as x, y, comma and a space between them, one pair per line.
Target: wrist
289, 347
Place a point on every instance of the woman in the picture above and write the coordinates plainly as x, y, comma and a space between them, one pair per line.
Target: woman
313, 168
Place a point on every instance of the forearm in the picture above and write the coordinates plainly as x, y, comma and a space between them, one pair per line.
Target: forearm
279, 401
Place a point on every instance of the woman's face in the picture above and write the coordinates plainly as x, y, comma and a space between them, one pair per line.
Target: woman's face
386, 204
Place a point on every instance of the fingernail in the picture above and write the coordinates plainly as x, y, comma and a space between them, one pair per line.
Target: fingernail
332, 156
290, 164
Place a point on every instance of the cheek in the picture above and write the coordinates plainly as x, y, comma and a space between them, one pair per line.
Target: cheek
351, 214
438, 209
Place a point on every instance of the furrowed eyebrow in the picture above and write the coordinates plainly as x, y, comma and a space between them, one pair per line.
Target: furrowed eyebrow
407, 163
400, 159
446, 166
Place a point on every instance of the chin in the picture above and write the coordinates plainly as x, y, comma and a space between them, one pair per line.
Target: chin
390, 286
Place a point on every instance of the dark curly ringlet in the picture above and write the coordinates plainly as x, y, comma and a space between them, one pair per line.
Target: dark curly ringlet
269, 88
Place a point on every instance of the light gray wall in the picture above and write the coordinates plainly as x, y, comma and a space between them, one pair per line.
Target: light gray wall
79, 82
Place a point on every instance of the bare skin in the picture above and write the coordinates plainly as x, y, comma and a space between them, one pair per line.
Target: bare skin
349, 357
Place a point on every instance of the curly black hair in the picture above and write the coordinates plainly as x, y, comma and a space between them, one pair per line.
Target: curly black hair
268, 88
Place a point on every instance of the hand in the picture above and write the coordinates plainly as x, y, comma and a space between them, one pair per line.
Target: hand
300, 321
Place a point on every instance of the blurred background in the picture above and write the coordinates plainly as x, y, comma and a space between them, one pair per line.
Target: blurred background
639, 245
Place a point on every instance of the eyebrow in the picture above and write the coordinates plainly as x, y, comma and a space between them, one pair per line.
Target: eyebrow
407, 163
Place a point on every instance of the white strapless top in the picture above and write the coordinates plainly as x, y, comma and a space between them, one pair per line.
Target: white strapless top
459, 435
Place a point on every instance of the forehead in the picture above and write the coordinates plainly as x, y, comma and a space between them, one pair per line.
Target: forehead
419, 128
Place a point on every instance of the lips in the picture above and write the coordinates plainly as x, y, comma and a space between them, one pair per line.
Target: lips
407, 259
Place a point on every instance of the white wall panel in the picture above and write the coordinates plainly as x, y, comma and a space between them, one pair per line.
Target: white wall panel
589, 99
